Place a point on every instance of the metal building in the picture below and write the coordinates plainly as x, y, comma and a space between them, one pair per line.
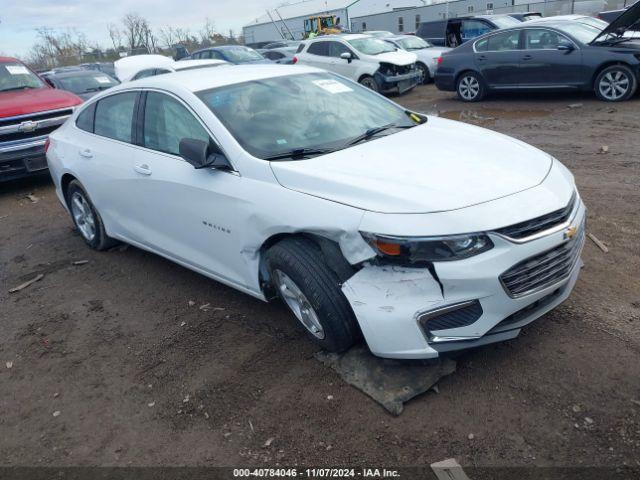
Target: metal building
287, 21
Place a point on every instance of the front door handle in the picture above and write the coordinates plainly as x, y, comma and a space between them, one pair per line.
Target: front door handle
142, 169
482, 57
527, 57
86, 153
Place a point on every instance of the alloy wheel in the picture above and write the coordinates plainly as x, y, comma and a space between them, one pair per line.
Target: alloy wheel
83, 216
469, 87
298, 303
614, 85
423, 74
370, 83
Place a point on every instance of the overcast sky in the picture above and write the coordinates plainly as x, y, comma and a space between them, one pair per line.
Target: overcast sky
20, 18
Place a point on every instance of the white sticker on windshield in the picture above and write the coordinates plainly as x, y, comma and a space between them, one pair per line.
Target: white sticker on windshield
332, 86
17, 69
103, 79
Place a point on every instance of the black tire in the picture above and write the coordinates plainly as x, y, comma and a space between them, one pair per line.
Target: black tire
369, 82
424, 73
470, 87
616, 83
301, 260
100, 240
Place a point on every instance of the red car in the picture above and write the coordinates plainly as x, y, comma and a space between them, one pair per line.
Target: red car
29, 111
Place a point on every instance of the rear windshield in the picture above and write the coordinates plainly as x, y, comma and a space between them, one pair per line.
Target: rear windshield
15, 76
87, 83
242, 54
505, 21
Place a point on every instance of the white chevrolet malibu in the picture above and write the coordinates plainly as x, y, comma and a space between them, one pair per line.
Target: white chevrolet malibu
421, 234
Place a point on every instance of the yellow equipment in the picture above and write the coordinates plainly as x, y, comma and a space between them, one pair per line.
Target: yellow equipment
320, 25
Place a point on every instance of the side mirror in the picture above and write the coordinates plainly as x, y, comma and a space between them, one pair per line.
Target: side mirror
566, 47
202, 154
346, 56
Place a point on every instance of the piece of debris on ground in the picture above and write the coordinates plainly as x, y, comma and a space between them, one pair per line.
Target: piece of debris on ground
39, 277
391, 383
598, 242
449, 469
80, 262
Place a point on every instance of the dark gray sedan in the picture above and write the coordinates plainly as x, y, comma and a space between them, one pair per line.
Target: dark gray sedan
560, 55
84, 83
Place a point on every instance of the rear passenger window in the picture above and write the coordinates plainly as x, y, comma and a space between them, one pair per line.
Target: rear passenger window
167, 121
504, 41
114, 115
85, 119
318, 48
482, 45
300, 47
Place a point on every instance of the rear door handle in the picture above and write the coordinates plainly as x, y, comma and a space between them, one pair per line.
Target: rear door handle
482, 57
86, 153
142, 169
527, 57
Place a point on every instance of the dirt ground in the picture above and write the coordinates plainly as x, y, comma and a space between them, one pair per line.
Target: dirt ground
116, 362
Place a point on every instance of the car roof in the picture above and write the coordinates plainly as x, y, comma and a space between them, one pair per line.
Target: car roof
9, 59
222, 47
197, 80
347, 37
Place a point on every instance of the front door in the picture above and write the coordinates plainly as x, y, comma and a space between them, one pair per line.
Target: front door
187, 214
549, 60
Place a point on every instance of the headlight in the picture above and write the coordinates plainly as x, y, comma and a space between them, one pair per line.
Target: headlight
414, 250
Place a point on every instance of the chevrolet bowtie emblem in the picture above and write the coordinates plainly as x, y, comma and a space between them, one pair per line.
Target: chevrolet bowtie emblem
28, 126
570, 232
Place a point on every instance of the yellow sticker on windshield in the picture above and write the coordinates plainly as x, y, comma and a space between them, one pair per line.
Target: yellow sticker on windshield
332, 86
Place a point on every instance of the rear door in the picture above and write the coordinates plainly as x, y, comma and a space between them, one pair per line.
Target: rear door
497, 58
106, 156
549, 60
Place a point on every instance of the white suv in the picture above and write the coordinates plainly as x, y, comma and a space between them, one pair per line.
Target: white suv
374, 63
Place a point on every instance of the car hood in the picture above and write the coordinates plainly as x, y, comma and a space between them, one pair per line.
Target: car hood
626, 21
399, 57
23, 102
439, 166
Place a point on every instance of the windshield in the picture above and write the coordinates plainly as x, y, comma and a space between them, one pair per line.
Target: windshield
594, 22
371, 46
274, 116
87, 83
505, 21
413, 43
580, 31
15, 76
241, 54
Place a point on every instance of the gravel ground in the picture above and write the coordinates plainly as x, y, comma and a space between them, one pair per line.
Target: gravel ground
117, 362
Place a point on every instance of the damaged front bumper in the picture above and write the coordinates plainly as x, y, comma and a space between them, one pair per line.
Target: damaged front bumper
411, 313
397, 83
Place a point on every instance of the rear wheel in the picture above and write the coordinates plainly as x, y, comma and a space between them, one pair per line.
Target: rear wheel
86, 218
615, 84
369, 82
312, 292
470, 87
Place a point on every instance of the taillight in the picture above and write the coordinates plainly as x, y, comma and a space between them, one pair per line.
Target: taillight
439, 60
295, 60
46, 145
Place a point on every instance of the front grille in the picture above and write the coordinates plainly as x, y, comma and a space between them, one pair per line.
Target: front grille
391, 69
539, 224
26, 127
454, 316
543, 270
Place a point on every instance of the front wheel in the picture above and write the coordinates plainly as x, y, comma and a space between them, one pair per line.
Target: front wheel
369, 82
312, 292
424, 73
615, 84
470, 87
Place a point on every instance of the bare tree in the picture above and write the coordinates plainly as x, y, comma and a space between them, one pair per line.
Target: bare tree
207, 32
54, 48
138, 34
115, 35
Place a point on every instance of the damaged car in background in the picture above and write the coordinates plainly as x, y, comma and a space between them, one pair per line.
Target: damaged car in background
365, 218
372, 62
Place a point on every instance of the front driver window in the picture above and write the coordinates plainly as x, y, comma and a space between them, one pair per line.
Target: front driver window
114, 115
167, 121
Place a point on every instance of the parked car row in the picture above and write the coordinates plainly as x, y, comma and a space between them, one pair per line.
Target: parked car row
553, 53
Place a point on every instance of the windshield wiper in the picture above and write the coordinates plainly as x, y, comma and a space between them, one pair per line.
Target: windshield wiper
298, 153
374, 131
23, 87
